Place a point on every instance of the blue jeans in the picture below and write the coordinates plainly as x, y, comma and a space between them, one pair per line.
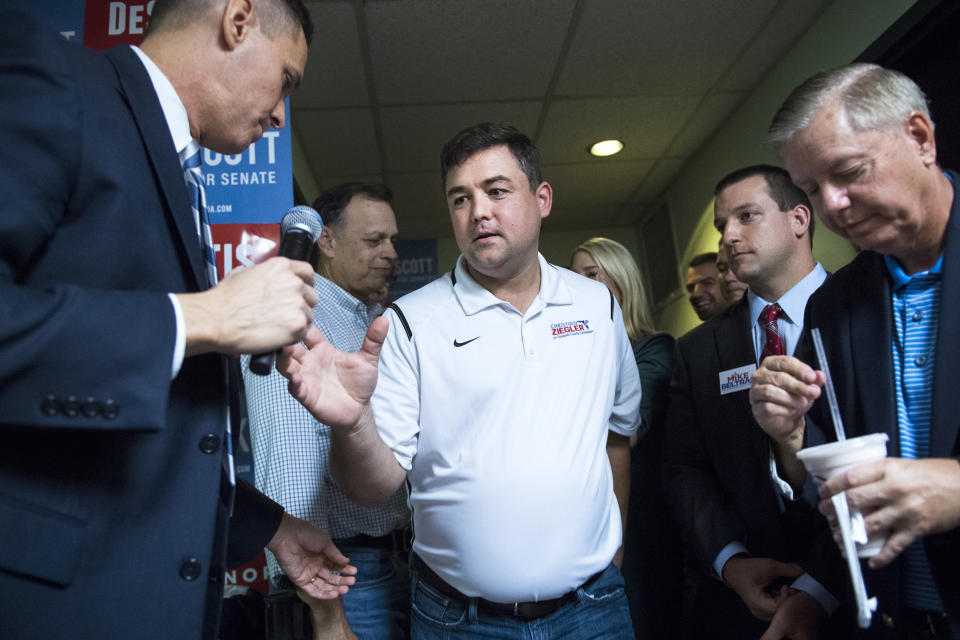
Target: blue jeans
378, 604
600, 612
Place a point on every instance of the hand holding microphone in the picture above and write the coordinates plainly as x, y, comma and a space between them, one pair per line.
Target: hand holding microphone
262, 308
299, 230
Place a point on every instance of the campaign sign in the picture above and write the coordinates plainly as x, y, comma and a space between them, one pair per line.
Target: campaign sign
253, 186
251, 574
243, 245
416, 266
113, 22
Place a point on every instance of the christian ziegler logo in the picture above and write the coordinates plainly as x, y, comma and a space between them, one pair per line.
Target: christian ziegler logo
570, 328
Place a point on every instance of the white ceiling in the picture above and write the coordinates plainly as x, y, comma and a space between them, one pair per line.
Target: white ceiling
389, 81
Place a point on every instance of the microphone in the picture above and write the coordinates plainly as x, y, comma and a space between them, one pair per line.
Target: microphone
299, 230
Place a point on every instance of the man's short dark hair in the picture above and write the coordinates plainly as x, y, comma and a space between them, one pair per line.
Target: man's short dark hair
331, 203
709, 257
278, 16
485, 135
780, 187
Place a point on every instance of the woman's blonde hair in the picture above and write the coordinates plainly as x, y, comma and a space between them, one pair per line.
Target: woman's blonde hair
622, 269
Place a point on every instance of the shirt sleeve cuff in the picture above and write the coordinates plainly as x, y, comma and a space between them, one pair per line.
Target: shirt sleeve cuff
725, 554
809, 584
180, 346
782, 486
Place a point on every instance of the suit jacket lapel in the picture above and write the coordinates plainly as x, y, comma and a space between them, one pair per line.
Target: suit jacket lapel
946, 400
734, 341
871, 335
146, 111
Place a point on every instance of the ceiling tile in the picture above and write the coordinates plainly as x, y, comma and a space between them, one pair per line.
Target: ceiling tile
414, 136
657, 48
334, 76
767, 46
456, 50
338, 142
585, 185
645, 125
709, 115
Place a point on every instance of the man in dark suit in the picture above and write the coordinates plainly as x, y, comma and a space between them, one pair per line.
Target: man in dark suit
718, 464
860, 141
115, 488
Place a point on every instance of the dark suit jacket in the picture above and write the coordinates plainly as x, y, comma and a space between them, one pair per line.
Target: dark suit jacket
717, 473
853, 312
113, 519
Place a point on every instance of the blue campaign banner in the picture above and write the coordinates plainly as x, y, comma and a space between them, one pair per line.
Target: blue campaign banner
254, 186
66, 16
416, 266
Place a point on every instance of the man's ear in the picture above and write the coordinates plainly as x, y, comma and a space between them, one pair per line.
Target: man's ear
327, 243
544, 196
800, 217
238, 19
920, 131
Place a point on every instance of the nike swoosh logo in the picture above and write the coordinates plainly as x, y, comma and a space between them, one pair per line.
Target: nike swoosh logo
456, 343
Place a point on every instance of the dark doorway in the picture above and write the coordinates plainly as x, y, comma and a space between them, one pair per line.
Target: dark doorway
925, 45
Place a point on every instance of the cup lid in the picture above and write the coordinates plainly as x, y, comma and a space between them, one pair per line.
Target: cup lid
844, 446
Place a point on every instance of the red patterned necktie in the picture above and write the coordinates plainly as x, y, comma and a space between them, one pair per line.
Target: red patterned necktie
768, 319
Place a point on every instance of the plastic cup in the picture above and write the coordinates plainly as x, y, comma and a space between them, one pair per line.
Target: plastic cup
827, 460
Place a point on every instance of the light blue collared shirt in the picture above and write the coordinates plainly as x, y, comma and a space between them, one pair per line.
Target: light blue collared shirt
793, 303
915, 301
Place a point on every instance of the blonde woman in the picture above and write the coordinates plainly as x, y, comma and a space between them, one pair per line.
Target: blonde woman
651, 567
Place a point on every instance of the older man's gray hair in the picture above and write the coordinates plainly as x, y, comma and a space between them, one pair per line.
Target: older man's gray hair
872, 97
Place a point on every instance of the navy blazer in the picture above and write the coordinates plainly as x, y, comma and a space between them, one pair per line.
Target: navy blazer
853, 311
113, 514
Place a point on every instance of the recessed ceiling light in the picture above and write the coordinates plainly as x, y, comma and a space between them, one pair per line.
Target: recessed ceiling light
606, 148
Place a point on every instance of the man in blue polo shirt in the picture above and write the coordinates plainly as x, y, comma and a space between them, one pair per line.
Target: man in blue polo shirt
859, 140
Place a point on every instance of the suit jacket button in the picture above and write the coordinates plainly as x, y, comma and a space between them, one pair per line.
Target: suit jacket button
70, 407
209, 443
109, 409
90, 408
50, 406
191, 569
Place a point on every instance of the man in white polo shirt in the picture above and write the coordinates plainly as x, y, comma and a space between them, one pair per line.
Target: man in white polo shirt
507, 393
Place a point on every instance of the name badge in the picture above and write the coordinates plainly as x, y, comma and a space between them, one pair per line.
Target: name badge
733, 380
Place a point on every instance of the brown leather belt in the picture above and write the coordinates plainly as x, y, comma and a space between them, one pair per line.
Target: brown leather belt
526, 610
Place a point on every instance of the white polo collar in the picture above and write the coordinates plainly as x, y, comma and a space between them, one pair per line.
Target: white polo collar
473, 297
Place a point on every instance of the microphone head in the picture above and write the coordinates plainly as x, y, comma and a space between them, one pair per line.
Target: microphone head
303, 217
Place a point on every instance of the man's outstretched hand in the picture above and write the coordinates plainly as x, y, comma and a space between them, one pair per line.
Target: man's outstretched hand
310, 560
333, 385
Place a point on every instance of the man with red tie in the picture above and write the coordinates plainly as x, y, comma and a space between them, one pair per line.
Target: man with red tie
718, 464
